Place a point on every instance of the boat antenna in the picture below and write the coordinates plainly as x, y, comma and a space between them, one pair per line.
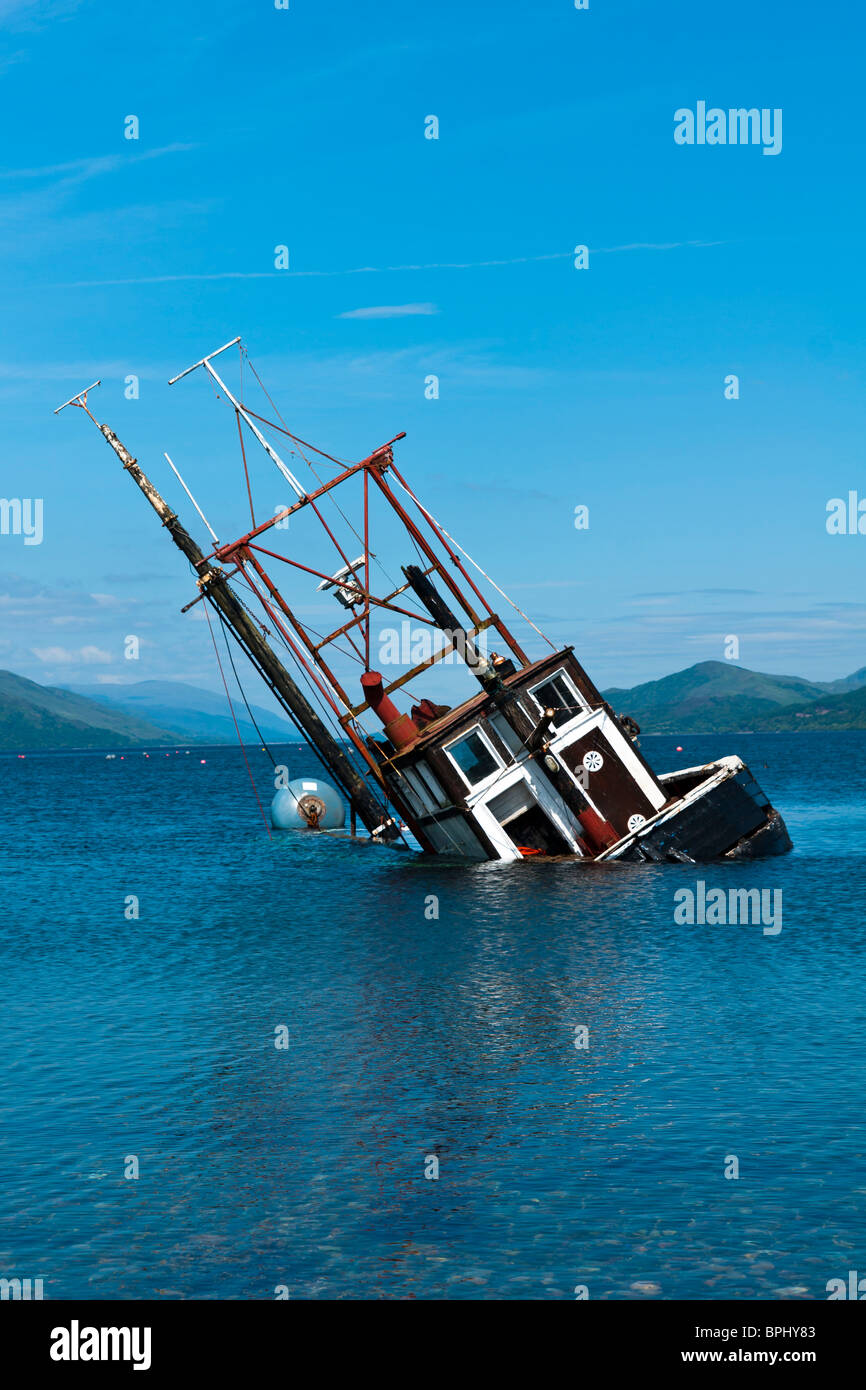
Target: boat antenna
268, 448
213, 533
80, 400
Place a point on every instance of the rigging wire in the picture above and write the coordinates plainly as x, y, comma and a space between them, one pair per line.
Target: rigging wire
414, 694
309, 675
234, 720
246, 469
336, 731
266, 747
324, 712
342, 463
253, 720
490, 581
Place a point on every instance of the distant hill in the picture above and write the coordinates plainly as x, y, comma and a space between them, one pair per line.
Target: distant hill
846, 711
715, 696
711, 697
847, 683
34, 716
194, 715
39, 716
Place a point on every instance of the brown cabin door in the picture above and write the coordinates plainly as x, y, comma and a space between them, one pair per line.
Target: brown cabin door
607, 780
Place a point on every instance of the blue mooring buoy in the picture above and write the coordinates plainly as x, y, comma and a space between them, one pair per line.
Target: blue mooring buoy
307, 804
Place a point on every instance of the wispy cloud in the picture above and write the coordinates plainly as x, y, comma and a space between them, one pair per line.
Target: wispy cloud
654, 246
67, 656
384, 269
367, 376
389, 311
90, 166
38, 202
33, 604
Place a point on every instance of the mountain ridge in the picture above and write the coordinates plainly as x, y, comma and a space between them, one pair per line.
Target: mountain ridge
41, 717
194, 714
720, 697
709, 697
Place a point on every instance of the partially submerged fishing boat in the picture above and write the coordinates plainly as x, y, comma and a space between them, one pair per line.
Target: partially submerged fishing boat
534, 762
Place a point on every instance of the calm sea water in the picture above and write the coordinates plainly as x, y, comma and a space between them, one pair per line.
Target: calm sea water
411, 1037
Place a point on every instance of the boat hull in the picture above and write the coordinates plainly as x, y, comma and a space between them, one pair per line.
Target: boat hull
717, 811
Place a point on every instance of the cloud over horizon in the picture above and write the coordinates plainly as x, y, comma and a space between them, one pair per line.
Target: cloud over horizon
389, 311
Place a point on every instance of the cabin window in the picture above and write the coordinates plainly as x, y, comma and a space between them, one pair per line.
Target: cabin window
474, 757
557, 693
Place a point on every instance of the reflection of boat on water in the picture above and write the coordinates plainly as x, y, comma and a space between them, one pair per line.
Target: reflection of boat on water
534, 762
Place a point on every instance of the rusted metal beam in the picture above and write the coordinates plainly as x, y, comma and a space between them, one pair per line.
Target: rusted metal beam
275, 594
381, 603
422, 666
421, 540
501, 628
373, 462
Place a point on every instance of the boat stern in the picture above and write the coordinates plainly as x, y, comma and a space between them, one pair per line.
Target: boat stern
716, 811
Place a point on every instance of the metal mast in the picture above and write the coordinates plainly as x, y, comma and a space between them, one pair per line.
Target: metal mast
213, 583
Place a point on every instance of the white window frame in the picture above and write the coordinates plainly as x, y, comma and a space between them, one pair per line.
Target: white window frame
541, 792
619, 745
491, 777
580, 713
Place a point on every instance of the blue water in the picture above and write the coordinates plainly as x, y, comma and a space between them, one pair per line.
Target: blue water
411, 1037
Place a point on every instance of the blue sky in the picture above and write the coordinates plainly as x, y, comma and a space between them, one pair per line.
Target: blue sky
261, 127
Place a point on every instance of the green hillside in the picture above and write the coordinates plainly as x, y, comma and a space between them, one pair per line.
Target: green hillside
196, 716
36, 716
715, 696
852, 682
711, 696
846, 711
